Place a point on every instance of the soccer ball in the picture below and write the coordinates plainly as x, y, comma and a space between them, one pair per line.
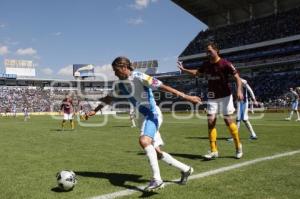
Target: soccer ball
66, 180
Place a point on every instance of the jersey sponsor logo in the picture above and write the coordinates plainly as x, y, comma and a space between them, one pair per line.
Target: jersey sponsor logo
155, 82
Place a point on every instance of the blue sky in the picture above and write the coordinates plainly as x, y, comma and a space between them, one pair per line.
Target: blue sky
58, 33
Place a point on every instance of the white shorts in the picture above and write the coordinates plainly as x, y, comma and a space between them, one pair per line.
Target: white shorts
295, 105
68, 116
242, 111
148, 128
221, 106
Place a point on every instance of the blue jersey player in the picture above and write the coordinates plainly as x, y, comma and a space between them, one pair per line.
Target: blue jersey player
137, 88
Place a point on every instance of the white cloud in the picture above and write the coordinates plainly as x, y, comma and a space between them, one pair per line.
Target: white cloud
47, 71
26, 51
4, 50
57, 33
136, 21
141, 4
105, 72
2, 25
66, 71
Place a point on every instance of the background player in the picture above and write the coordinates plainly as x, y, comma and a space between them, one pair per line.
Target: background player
14, 110
294, 97
132, 118
67, 110
242, 109
26, 114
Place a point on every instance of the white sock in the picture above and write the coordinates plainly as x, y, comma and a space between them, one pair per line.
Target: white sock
297, 115
152, 156
249, 127
133, 123
291, 114
238, 123
173, 162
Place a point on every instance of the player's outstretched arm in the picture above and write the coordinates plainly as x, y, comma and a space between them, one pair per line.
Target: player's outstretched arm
193, 99
188, 71
106, 100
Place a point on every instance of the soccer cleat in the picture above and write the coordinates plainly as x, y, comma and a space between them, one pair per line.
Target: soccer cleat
253, 137
211, 155
239, 152
155, 185
229, 139
288, 119
297, 120
185, 176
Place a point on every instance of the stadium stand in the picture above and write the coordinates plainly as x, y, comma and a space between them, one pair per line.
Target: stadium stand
261, 38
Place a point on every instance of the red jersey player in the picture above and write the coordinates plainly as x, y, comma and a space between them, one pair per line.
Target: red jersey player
217, 71
67, 110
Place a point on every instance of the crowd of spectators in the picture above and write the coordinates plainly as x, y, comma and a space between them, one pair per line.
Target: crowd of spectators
282, 24
37, 99
270, 88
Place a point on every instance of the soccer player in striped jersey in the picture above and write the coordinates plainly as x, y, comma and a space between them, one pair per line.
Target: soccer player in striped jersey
137, 88
294, 97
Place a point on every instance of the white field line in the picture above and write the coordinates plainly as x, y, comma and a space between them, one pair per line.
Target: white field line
127, 192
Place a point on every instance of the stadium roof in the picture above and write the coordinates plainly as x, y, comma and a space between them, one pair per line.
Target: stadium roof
222, 12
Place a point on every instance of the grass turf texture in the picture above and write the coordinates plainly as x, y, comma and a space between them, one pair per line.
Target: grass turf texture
108, 159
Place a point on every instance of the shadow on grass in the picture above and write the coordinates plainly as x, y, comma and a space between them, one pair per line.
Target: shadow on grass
59, 190
60, 130
206, 138
119, 179
188, 156
183, 155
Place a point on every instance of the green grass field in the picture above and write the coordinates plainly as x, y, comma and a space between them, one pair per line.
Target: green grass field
108, 159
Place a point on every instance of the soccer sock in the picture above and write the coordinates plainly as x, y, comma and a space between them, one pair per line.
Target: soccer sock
213, 140
152, 156
72, 124
173, 162
238, 123
250, 128
63, 124
133, 123
297, 115
291, 114
235, 134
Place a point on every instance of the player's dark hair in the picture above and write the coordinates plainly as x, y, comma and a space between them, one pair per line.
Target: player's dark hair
214, 46
122, 61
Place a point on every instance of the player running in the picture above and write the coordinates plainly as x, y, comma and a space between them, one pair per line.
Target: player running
67, 110
134, 86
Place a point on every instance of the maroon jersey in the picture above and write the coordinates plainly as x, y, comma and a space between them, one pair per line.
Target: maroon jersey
218, 75
67, 106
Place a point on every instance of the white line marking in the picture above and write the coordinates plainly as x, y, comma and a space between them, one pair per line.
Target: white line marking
127, 192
